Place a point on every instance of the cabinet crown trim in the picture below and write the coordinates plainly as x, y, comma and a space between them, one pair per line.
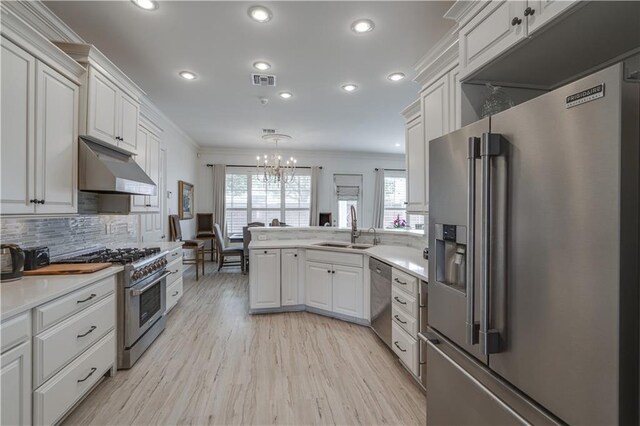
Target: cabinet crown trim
20, 32
88, 54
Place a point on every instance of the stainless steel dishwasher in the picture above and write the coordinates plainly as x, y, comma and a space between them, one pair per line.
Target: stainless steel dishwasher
381, 299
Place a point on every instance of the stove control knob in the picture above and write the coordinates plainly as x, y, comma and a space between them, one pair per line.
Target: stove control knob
135, 275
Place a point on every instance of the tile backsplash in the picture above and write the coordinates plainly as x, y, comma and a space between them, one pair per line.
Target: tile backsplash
66, 234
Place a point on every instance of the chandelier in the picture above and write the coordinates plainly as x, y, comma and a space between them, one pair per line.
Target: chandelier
272, 169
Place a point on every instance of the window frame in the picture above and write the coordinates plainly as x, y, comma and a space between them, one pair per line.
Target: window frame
280, 212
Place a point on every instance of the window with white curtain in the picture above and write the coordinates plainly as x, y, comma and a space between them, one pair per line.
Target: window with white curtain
249, 200
395, 196
348, 193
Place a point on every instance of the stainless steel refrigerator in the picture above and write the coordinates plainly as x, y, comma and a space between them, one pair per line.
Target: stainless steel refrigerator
534, 283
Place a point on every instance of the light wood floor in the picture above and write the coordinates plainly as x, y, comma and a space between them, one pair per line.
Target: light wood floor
216, 364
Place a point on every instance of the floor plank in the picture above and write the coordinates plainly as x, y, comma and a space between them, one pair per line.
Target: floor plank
216, 364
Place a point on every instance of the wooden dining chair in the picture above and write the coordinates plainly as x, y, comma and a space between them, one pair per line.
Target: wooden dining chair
196, 245
204, 231
225, 250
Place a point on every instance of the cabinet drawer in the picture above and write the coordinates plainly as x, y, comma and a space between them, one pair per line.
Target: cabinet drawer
404, 320
405, 282
405, 347
16, 330
404, 302
174, 293
174, 254
60, 344
55, 311
53, 399
175, 268
336, 258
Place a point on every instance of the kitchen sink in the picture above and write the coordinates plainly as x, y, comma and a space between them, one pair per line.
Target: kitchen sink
344, 245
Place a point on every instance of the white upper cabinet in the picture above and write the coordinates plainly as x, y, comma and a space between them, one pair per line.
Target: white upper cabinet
56, 142
129, 113
455, 100
148, 158
39, 136
17, 130
102, 113
416, 171
348, 291
264, 273
540, 12
435, 109
289, 277
112, 115
497, 27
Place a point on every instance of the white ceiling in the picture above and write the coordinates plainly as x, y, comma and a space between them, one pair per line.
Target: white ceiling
312, 51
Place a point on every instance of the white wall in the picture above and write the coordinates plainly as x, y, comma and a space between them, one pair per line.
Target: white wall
331, 162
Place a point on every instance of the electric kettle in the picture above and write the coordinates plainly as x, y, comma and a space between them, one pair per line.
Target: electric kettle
11, 262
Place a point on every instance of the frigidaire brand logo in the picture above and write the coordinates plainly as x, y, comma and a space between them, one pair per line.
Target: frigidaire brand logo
588, 95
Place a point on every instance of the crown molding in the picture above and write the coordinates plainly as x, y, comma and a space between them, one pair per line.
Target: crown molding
43, 20
412, 111
14, 28
251, 152
442, 58
88, 54
463, 11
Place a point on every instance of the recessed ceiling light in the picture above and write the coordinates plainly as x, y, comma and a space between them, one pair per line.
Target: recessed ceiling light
362, 25
187, 75
146, 4
262, 65
349, 87
396, 76
260, 14
397, 144
285, 95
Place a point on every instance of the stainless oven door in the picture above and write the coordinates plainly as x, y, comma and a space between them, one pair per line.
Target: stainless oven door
144, 304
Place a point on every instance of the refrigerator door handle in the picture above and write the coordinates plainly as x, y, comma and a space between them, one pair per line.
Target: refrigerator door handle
489, 339
474, 154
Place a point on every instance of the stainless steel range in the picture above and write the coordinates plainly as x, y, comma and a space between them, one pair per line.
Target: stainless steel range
140, 294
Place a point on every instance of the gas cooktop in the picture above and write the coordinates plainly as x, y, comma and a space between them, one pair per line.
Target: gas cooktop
123, 256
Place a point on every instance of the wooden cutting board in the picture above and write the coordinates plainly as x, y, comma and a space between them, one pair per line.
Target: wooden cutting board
68, 268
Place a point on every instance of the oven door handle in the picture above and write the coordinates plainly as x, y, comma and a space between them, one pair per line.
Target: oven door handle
139, 291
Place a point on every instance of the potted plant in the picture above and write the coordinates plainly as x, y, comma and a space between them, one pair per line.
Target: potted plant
398, 222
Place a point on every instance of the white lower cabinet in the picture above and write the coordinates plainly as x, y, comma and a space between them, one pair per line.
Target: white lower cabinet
264, 279
289, 277
174, 293
406, 347
319, 286
348, 291
53, 399
15, 385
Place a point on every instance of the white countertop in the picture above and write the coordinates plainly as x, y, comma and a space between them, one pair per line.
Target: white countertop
407, 259
22, 295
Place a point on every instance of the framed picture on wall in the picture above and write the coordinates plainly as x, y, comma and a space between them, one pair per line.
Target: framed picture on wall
185, 197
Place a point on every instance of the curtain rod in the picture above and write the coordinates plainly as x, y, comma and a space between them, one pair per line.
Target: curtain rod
240, 165
392, 170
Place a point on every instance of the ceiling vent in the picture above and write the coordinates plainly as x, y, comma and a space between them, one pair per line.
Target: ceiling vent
263, 80
268, 131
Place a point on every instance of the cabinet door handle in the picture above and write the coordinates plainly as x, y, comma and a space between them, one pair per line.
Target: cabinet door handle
175, 294
399, 282
399, 301
87, 299
295, 255
516, 21
34, 201
265, 252
93, 327
328, 271
398, 346
93, 370
529, 11
398, 318
333, 272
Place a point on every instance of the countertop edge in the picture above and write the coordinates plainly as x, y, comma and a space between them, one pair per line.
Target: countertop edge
66, 289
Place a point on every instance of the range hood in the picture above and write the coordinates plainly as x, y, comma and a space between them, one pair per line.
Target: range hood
107, 169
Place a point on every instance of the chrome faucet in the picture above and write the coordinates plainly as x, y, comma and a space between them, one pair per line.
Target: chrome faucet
354, 225
376, 240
